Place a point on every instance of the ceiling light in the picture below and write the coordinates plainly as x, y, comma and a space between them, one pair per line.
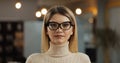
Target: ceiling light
44, 11
38, 14
18, 5
78, 11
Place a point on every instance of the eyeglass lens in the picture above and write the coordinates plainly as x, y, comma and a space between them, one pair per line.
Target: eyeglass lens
55, 25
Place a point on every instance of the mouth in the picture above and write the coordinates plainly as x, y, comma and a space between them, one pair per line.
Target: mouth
58, 36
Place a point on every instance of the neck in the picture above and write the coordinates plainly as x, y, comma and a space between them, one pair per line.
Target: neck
58, 50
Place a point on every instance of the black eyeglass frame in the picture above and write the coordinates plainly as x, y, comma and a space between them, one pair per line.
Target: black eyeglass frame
59, 25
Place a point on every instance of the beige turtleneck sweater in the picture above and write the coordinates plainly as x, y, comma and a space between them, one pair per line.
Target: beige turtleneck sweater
58, 54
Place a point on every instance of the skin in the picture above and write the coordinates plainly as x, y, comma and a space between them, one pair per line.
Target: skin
59, 36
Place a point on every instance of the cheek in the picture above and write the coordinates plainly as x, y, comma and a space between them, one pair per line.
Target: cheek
49, 33
69, 33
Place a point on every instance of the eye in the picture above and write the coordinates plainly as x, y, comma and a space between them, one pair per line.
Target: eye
53, 25
65, 25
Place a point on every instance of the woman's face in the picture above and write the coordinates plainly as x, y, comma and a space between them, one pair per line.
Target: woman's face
59, 29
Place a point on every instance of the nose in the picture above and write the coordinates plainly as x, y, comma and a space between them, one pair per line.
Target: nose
59, 29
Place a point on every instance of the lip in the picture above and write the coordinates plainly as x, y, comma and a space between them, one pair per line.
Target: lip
58, 35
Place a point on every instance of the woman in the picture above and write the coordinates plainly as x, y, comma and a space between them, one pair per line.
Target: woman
59, 39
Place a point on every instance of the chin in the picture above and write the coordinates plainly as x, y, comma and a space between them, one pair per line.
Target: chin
59, 42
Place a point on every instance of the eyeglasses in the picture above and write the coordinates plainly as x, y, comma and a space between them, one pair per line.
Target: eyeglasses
64, 26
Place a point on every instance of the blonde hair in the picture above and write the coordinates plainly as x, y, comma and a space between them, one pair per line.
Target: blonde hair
73, 42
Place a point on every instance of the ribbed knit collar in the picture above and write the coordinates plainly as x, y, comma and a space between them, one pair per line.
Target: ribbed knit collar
58, 50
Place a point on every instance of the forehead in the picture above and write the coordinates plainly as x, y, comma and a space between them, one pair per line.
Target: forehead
59, 18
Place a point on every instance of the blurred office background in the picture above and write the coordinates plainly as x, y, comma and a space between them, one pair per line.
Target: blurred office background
98, 28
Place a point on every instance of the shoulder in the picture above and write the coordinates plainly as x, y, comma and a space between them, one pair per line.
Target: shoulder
33, 56
83, 57
82, 54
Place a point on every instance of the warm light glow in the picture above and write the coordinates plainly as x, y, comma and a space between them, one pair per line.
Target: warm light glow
91, 20
93, 10
38, 14
78, 11
44, 11
18, 5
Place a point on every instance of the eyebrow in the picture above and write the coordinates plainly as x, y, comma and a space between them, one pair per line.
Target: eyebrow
57, 22
60, 23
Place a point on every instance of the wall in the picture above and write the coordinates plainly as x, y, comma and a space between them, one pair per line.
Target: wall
32, 37
114, 19
100, 24
9, 12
